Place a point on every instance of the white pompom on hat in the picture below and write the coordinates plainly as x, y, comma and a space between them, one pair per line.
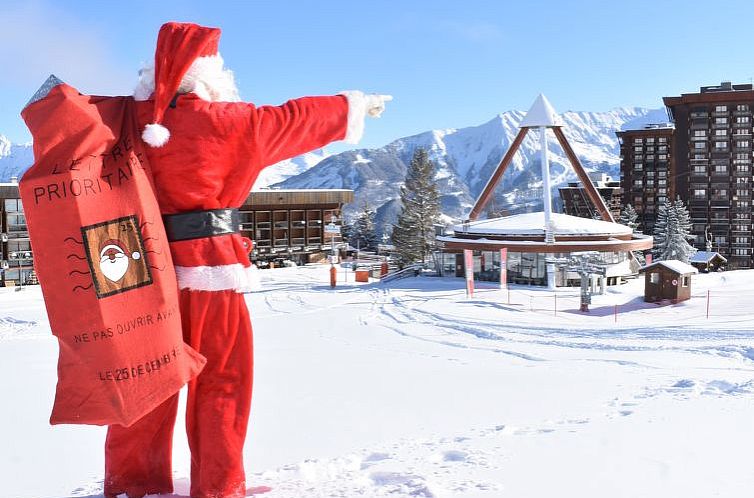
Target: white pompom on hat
178, 46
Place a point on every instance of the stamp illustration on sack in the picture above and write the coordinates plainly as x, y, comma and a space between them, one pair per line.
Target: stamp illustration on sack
116, 255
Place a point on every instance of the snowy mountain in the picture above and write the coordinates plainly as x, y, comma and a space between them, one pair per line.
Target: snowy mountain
14, 159
467, 157
291, 167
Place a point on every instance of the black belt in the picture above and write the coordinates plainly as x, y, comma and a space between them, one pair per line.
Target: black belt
200, 224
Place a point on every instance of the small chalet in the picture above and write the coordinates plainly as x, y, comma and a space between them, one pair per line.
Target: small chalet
707, 261
667, 280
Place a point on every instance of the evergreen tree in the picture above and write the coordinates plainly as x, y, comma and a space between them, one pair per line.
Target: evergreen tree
628, 217
414, 232
672, 232
362, 233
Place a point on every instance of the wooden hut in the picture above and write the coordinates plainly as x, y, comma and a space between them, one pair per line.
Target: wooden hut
707, 261
667, 280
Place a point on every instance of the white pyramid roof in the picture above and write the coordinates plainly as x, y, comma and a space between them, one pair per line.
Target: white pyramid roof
541, 113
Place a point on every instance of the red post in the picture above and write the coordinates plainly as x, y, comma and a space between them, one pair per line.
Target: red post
383, 269
333, 276
504, 269
468, 260
707, 303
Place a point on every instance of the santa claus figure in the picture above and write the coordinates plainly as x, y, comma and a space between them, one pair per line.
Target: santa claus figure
207, 148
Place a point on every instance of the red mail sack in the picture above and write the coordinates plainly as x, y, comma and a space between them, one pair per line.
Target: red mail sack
102, 259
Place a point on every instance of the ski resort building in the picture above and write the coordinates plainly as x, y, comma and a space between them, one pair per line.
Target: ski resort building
576, 201
291, 224
647, 171
712, 149
533, 243
705, 158
16, 257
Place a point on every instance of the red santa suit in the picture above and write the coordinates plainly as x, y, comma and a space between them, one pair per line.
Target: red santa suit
209, 160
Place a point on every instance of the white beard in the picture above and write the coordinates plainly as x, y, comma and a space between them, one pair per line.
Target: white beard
207, 78
114, 269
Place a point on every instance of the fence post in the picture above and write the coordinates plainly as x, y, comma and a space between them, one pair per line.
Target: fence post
616, 313
556, 304
708, 304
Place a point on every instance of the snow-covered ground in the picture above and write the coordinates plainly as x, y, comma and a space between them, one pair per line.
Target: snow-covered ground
413, 389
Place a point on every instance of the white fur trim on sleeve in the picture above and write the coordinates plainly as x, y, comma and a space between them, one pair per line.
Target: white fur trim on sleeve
357, 112
216, 278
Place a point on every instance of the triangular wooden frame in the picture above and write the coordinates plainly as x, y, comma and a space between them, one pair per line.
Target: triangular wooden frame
591, 191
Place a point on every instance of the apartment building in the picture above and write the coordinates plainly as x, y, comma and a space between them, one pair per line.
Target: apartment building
712, 150
577, 203
647, 170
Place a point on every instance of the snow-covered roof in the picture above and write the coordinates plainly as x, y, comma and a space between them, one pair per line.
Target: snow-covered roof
673, 264
541, 113
534, 224
705, 257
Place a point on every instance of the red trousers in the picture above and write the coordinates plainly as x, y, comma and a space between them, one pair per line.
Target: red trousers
138, 458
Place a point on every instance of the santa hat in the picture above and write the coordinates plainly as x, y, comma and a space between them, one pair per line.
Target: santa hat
178, 46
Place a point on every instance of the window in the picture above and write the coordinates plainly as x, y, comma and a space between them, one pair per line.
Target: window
742, 119
662, 140
700, 133
638, 167
654, 278
638, 141
721, 169
742, 143
662, 157
685, 281
700, 145
638, 149
742, 107
719, 194
12, 205
700, 193
721, 145
650, 140
650, 157
721, 121
637, 183
721, 108
721, 133
720, 240
662, 182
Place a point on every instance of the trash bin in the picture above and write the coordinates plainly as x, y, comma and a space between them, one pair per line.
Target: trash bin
362, 275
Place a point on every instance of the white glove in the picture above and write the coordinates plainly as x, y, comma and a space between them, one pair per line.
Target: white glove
375, 104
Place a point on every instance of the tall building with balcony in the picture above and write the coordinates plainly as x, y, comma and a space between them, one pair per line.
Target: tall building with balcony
577, 203
16, 258
712, 148
647, 171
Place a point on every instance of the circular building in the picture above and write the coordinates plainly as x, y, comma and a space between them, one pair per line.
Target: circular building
537, 246
524, 239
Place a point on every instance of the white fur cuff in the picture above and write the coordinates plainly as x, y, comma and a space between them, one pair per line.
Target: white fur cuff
357, 112
216, 278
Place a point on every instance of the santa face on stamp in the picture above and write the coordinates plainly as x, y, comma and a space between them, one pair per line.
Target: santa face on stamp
113, 259
116, 256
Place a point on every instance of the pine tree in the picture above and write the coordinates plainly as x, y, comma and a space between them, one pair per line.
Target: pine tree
672, 232
414, 232
363, 234
628, 217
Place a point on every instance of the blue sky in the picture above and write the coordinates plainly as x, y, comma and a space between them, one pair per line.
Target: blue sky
448, 64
